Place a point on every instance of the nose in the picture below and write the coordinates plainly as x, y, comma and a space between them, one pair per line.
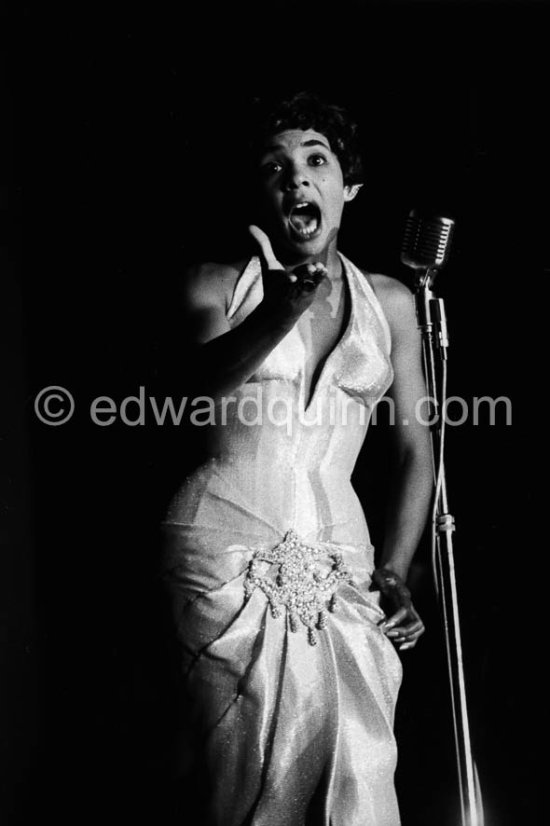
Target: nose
296, 177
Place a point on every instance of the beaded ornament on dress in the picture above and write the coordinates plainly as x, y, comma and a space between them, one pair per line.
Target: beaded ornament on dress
299, 586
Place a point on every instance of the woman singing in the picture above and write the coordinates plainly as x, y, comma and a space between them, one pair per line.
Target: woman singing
287, 630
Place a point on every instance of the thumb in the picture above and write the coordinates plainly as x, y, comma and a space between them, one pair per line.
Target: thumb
265, 246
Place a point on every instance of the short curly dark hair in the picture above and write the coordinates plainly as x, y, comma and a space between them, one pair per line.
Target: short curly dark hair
307, 110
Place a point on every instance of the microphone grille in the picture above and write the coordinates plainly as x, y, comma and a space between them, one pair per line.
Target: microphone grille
426, 241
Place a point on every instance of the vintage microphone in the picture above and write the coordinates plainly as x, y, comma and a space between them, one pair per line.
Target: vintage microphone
425, 249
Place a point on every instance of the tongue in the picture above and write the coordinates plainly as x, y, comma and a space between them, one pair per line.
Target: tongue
302, 220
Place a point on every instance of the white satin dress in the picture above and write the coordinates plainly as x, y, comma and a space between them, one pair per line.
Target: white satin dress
268, 560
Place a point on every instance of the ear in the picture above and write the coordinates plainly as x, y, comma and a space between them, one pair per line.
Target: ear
350, 191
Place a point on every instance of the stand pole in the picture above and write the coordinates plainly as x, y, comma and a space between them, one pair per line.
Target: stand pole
432, 323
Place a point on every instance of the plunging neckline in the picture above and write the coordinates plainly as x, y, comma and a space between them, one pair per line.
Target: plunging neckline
314, 387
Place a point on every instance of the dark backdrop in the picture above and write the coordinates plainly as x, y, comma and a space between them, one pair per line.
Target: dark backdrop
126, 142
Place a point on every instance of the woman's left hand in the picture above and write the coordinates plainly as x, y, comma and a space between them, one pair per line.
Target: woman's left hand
403, 625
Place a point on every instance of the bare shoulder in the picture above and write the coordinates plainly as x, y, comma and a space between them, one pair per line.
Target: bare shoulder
392, 293
396, 300
210, 283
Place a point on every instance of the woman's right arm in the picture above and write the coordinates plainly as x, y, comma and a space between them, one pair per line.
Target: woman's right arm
221, 358
224, 358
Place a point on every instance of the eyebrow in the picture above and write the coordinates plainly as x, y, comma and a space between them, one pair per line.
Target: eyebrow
311, 142
314, 142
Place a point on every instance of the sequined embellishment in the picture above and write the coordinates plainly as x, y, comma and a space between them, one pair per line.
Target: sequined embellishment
304, 590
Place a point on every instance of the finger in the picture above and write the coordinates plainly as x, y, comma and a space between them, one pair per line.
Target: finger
394, 620
400, 638
405, 645
265, 246
309, 276
412, 628
317, 268
311, 281
397, 637
313, 269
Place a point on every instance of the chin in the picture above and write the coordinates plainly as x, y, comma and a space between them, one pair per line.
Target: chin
304, 249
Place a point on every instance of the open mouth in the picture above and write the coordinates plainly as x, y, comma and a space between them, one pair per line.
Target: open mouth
305, 219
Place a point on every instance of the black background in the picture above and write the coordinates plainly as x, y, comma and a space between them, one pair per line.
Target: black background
124, 131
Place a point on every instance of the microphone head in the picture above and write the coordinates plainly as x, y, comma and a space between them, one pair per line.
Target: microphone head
426, 241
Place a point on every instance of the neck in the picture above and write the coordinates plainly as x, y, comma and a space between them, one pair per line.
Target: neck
329, 257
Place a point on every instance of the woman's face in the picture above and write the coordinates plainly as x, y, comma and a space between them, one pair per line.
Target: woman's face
303, 193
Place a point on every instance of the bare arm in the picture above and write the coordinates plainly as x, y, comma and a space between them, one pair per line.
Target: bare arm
411, 489
412, 483
225, 358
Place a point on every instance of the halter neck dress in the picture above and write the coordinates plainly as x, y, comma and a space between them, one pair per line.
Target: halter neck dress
268, 560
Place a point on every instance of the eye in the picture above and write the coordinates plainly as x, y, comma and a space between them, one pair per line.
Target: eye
270, 168
317, 160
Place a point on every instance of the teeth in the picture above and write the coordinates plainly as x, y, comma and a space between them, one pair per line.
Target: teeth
305, 226
307, 232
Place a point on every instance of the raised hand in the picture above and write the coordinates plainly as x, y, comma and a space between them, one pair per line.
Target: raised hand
288, 292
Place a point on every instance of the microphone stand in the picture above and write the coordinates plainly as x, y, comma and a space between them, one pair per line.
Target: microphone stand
432, 323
